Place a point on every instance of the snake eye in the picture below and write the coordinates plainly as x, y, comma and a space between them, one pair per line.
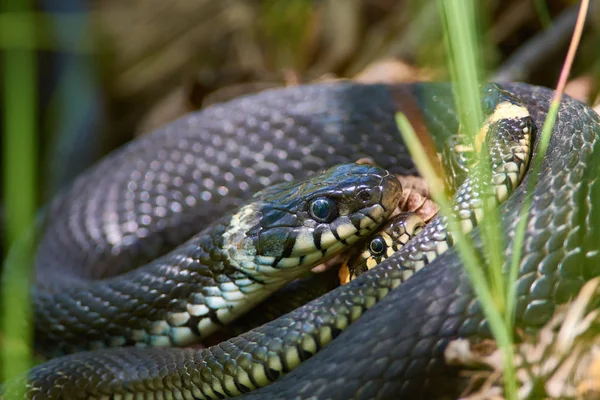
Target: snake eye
323, 209
377, 245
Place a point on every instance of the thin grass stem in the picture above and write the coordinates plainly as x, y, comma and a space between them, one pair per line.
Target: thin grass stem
464, 60
463, 243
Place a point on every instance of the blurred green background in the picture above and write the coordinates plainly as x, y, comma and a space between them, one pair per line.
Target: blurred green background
106, 70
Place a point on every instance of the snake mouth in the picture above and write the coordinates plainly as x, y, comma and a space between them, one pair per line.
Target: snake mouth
312, 245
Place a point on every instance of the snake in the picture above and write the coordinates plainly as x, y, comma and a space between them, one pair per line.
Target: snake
507, 132
394, 235
386, 339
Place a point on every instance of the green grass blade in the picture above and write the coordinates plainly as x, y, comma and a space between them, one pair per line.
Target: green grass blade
459, 19
466, 249
19, 144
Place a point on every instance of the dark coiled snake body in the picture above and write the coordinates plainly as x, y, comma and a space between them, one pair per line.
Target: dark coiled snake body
208, 163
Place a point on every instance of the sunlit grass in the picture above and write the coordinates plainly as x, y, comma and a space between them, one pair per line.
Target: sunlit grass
464, 59
464, 62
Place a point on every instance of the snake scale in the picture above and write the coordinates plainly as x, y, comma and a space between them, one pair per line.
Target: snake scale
396, 348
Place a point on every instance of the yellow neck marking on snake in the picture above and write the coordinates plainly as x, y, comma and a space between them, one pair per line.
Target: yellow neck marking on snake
503, 110
242, 254
232, 299
228, 299
234, 238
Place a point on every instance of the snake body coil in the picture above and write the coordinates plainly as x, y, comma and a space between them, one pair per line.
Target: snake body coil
222, 154
223, 271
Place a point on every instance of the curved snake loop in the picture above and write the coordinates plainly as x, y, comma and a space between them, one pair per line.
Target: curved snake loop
227, 151
223, 271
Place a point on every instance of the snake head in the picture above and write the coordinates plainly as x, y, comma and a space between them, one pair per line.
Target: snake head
301, 224
506, 129
394, 234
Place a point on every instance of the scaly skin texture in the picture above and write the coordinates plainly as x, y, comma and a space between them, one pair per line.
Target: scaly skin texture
222, 272
395, 349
